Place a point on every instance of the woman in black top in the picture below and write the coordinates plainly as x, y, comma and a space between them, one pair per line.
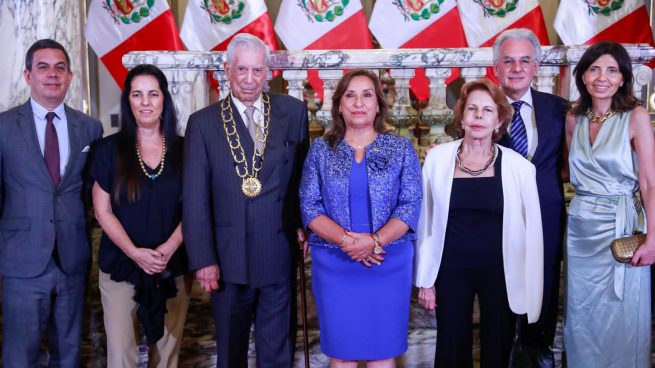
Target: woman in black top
479, 233
136, 197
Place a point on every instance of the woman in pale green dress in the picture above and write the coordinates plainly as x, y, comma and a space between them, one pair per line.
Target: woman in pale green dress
608, 318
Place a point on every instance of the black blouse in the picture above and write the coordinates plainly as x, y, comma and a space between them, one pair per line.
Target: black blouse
151, 219
149, 222
474, 234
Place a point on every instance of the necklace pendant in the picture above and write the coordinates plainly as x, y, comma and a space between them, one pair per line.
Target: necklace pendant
153, 177
251, 186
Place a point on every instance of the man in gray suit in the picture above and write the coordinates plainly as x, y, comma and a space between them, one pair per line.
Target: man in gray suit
44, 247
243, 158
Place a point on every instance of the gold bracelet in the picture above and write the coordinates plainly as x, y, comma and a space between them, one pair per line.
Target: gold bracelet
377, 237
377, 248
343, 239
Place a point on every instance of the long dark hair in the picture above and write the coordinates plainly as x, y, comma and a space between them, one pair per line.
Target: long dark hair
623, 99
338, 130
128, 172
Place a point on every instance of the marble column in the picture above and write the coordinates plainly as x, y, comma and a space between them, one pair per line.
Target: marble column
22, 22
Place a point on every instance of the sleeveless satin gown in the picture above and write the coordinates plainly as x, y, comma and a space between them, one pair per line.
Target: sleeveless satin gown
608, 318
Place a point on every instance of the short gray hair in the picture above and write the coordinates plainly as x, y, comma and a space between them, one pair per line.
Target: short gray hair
518, 34
247, 41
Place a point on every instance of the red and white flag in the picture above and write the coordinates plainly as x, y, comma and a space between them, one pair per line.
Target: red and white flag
211, 24
417, 24
114, 28
484, 20
322, 25
587, 21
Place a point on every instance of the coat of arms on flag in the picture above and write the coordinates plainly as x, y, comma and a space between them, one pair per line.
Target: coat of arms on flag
418, 9
223, 11
128, 11
323, 10
497, 8
603, 7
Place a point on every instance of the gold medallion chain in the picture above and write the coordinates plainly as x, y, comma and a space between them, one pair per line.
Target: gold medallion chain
251, 186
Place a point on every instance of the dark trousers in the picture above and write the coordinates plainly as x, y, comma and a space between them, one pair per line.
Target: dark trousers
456, 289
52, 301
235, 307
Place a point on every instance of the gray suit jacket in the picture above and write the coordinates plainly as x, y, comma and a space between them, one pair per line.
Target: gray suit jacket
33, 212
251, 239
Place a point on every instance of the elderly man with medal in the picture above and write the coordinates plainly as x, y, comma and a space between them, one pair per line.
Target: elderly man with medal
243, 158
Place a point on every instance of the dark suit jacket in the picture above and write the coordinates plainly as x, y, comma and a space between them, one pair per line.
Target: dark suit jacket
549, 111
251, 239
33, 211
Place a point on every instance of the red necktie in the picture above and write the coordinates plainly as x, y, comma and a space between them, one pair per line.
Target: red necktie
51, 149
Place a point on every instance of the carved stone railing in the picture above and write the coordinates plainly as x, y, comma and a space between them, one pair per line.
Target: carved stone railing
186, 72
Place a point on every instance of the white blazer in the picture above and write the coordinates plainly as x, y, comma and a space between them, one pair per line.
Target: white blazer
523, 249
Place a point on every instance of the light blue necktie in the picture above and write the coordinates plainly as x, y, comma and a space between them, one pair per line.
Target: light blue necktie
518, 133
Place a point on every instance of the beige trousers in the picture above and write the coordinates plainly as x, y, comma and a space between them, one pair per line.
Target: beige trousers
122, 326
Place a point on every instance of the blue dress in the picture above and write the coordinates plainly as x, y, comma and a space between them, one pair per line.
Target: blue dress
363, 312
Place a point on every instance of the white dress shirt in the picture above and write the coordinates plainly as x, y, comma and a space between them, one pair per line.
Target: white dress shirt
61, 126
257, 116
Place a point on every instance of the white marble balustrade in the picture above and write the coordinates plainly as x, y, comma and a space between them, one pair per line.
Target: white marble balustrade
186, 72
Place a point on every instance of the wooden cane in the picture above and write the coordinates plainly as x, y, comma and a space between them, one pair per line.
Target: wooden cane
303, 309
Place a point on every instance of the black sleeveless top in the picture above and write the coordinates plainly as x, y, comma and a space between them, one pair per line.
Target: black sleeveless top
474, 234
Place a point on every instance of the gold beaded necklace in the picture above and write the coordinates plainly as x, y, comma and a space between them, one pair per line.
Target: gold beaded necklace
599, 119
161, 162
250, 185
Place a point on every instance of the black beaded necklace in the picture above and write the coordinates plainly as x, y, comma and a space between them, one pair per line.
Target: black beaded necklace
480, 171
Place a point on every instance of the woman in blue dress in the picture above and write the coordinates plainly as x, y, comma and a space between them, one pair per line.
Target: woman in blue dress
360, 199
611, 158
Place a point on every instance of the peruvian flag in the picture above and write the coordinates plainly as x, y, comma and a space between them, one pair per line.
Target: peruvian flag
114, 28
210, 24
322, 25
585, 22
418, 24
484, 20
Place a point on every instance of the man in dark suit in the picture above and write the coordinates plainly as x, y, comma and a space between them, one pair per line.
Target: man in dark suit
44, 247
243, 158
537, 132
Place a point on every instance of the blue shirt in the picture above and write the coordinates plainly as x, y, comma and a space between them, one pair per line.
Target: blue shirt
61, 126
394, 184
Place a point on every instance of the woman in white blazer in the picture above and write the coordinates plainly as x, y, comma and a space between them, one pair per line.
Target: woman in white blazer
479, 233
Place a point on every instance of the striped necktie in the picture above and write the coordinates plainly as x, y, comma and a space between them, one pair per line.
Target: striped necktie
518, 133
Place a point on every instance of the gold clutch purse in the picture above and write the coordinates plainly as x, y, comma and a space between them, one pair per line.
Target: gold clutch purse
624, 248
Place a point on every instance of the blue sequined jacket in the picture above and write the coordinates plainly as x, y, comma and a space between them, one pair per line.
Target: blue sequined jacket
394, 184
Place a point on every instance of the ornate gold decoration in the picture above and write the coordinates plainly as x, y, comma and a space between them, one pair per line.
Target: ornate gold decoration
251, 186
599, 119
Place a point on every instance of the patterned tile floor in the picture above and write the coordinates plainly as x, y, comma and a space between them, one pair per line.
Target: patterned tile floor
198, 342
